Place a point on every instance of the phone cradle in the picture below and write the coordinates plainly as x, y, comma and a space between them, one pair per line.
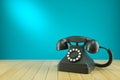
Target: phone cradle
84, 65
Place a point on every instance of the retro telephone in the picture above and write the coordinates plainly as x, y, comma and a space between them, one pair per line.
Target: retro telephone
76, 59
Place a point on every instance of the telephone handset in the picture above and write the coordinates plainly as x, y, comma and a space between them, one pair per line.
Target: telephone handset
77, 59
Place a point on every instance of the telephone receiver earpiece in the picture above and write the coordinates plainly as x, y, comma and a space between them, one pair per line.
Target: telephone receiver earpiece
92, 46
62, 44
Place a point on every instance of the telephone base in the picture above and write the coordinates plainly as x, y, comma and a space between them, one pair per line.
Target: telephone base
85, 65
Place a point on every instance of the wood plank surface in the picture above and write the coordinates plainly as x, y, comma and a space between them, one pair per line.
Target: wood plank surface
47, 70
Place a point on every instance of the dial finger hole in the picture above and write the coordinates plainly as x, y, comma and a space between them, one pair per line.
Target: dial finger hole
79, 56
71, 60
68, 55
79, 53
70, 50
76, 49
74, 60
73, 49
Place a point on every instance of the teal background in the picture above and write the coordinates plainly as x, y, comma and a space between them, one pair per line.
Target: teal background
30, 29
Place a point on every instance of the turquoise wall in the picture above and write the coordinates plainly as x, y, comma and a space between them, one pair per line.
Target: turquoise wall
30, 29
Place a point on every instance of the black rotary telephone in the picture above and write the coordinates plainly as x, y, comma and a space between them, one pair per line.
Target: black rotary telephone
77, 60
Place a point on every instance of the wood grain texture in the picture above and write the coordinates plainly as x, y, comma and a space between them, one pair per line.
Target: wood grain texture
47, 70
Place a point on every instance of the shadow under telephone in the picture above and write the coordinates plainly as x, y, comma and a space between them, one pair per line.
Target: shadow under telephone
76, 59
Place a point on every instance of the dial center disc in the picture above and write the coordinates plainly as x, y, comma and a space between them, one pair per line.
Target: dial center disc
74, 54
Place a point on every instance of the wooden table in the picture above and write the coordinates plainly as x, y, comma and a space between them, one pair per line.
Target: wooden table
47, 70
